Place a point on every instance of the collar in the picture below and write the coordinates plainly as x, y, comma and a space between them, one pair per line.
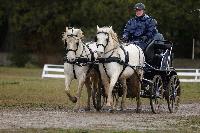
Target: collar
144, 17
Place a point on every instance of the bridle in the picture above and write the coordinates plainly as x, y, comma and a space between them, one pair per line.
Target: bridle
104, 46
107, 40
79, 60
77, 44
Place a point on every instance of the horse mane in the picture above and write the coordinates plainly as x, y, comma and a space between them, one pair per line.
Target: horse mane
77, 32
114, 36
64, 36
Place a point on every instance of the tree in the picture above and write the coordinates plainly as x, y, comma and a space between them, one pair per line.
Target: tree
35, 27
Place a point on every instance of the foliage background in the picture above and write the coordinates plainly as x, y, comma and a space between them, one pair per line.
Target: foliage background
34, 27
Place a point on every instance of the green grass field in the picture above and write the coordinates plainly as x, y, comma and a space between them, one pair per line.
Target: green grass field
21, 87
24, 88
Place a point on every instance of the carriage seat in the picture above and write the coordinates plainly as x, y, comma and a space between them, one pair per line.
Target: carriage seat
155, 49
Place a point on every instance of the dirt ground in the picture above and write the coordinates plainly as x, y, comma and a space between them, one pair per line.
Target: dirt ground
119, 120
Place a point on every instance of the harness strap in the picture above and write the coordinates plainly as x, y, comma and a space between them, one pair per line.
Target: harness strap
74, 73
139, 54
82, 51
126, 60
124, 63
91, 53
104, 60
106, 71
116, 59
138, 63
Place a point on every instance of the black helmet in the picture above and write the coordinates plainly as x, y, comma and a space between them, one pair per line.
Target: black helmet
139, 6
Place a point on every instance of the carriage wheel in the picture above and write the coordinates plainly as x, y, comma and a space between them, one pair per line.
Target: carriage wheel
173, 94
156, 94
98, 97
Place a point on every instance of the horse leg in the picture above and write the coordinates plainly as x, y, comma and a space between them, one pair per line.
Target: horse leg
115, 101
67, 89
78, 93
138, 110
106, 88
105, 81
88, 85
123, 107
112, 84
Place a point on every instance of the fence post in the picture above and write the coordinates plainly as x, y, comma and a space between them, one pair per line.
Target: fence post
198, 71
196, 74
44, 71
193, 43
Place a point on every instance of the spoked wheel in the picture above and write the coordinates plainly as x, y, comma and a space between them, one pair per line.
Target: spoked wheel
173, 94
156, 94
98, 97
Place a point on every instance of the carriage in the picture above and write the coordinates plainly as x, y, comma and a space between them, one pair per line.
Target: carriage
160, 81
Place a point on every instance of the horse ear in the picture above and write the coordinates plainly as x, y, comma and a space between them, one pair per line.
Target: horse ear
97, 27
66, 28
110, 27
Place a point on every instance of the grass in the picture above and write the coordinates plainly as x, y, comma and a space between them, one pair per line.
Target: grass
190, 92
190, 123
24, 88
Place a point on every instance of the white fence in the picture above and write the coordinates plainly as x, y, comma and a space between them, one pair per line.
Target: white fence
188, 75
185, 75
53, 71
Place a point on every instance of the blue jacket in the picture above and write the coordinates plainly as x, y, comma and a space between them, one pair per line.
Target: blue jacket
140, 29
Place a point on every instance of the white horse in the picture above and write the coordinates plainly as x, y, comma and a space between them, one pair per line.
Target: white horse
73, 69
132, 57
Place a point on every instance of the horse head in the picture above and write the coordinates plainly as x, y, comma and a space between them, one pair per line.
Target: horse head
72, 38
106, 40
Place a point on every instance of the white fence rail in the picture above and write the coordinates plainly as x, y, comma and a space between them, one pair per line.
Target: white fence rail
188, 75
53, 71
185, 75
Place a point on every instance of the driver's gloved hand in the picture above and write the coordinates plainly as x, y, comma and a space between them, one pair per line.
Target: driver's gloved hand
144, 38
125, 38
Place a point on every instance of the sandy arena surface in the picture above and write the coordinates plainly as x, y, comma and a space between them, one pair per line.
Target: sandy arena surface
119, 120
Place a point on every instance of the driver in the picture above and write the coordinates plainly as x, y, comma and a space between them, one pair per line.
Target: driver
141, 29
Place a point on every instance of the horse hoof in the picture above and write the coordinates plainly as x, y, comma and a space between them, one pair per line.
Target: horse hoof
111, 110
87, 109
81, 110
73, 99
122, 109
108, 108
77, 110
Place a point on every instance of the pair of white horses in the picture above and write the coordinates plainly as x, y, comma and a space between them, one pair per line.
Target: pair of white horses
106, 46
